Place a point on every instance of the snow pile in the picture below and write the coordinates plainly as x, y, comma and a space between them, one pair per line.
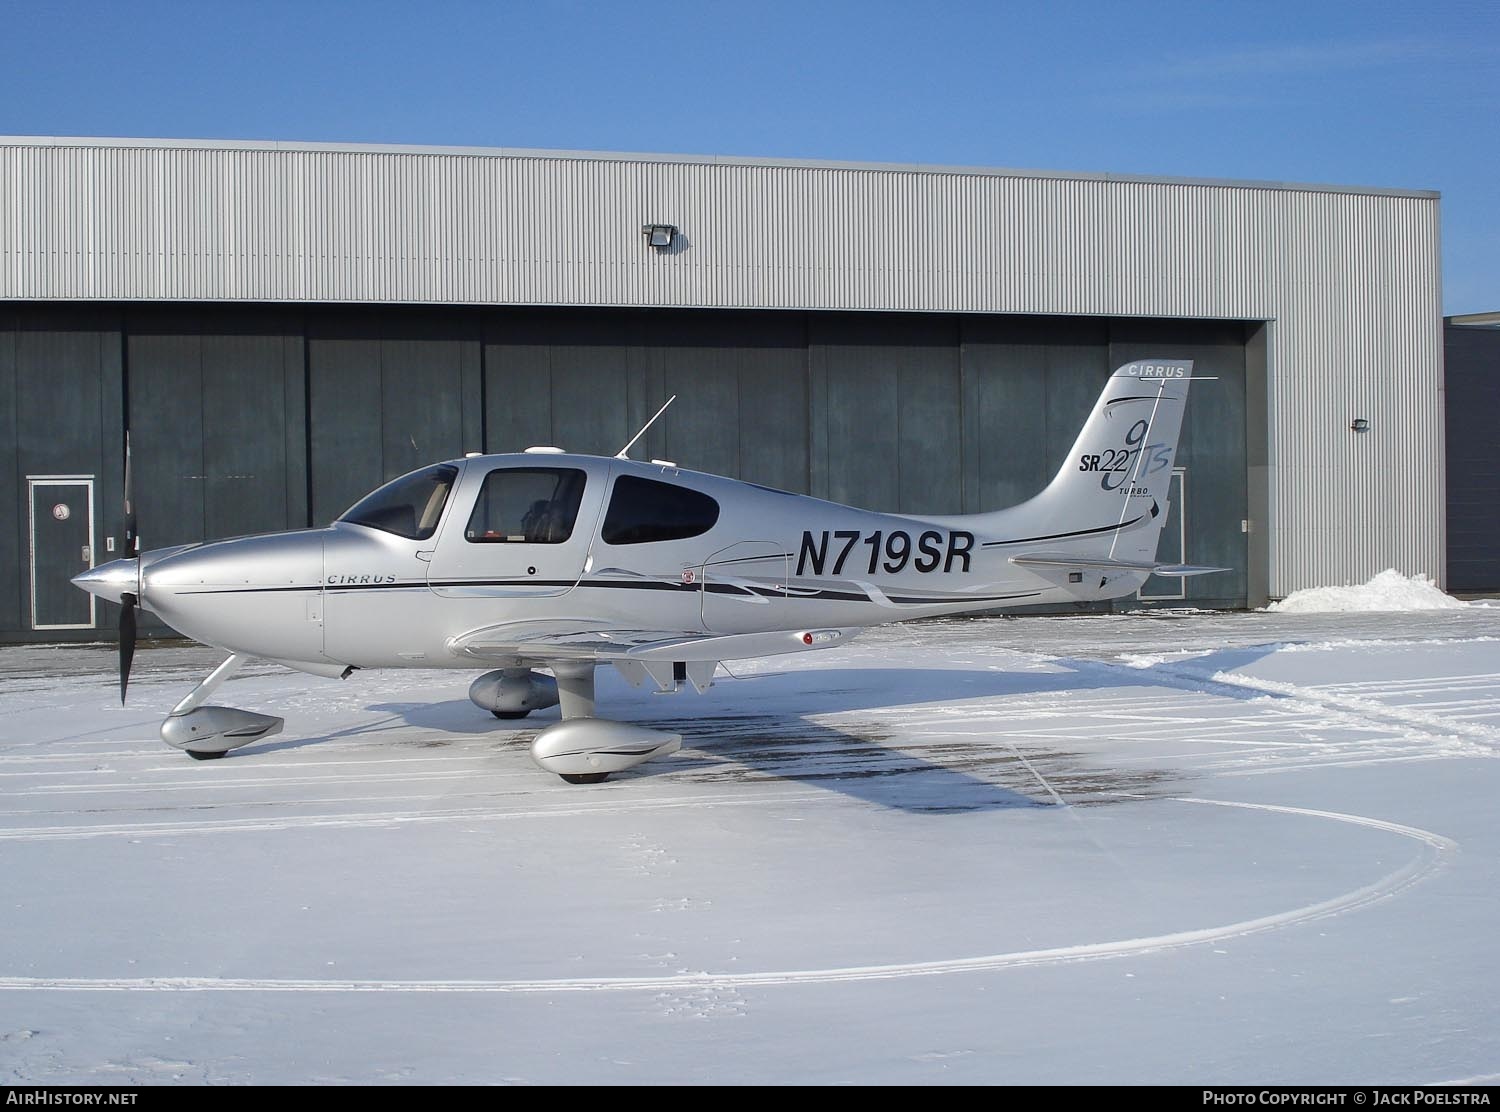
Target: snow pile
1390, 590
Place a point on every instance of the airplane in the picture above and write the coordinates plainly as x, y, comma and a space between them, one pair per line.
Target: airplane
546, 559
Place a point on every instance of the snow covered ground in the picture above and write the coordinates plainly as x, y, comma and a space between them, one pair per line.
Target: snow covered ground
1177, 848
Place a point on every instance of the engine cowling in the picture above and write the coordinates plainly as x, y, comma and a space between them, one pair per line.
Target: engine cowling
513, 692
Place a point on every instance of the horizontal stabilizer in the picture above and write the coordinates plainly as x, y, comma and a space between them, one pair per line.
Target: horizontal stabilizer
1185, 569
1104, 563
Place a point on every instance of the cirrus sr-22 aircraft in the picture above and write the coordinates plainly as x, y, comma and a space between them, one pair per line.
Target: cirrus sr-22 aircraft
564, 562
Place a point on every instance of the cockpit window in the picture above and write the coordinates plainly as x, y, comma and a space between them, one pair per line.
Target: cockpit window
527, 505
409, 506
644, 510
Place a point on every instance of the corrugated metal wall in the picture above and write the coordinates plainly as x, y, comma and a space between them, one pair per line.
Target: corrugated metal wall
1347, 278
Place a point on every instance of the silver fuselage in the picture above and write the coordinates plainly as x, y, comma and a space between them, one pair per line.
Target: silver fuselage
357, 595
546, 556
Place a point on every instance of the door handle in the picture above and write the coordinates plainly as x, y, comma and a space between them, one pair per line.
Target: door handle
88, 555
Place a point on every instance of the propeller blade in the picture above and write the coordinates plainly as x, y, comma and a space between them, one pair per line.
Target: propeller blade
130, 534
127, 641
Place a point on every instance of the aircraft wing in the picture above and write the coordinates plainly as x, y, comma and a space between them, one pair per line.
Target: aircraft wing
638, 653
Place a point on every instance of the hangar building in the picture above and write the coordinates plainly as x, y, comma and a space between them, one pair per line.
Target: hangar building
281, 327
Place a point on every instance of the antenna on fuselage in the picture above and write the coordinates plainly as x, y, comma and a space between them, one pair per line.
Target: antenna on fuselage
621, 453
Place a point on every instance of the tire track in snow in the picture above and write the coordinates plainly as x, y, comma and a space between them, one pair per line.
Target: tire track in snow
1353, 708
393, 818
1436, 727
1436, 849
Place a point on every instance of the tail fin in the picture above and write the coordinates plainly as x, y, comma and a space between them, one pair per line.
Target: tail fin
1108, 503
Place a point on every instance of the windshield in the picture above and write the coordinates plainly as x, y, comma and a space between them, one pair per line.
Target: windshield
409, 506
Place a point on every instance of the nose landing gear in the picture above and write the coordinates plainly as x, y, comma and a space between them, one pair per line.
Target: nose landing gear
208, 732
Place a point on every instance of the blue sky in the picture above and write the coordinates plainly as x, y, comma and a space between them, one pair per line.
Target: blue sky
1375, 94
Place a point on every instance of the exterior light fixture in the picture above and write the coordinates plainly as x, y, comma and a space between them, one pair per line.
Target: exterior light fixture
1360, 425
659, 236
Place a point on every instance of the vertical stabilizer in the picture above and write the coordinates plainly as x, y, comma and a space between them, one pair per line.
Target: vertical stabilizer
1109, 499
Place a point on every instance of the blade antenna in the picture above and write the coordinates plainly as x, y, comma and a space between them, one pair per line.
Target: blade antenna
621, 453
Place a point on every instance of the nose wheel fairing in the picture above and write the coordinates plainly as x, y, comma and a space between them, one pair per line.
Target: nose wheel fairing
214, 731
209, 731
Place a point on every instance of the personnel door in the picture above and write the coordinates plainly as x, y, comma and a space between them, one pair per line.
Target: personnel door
62, 545
1172, 548
526, 534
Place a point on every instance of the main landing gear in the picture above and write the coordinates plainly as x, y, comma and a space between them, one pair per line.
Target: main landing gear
581, 749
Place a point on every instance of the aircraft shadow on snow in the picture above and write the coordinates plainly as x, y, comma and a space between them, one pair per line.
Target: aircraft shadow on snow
763, 727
